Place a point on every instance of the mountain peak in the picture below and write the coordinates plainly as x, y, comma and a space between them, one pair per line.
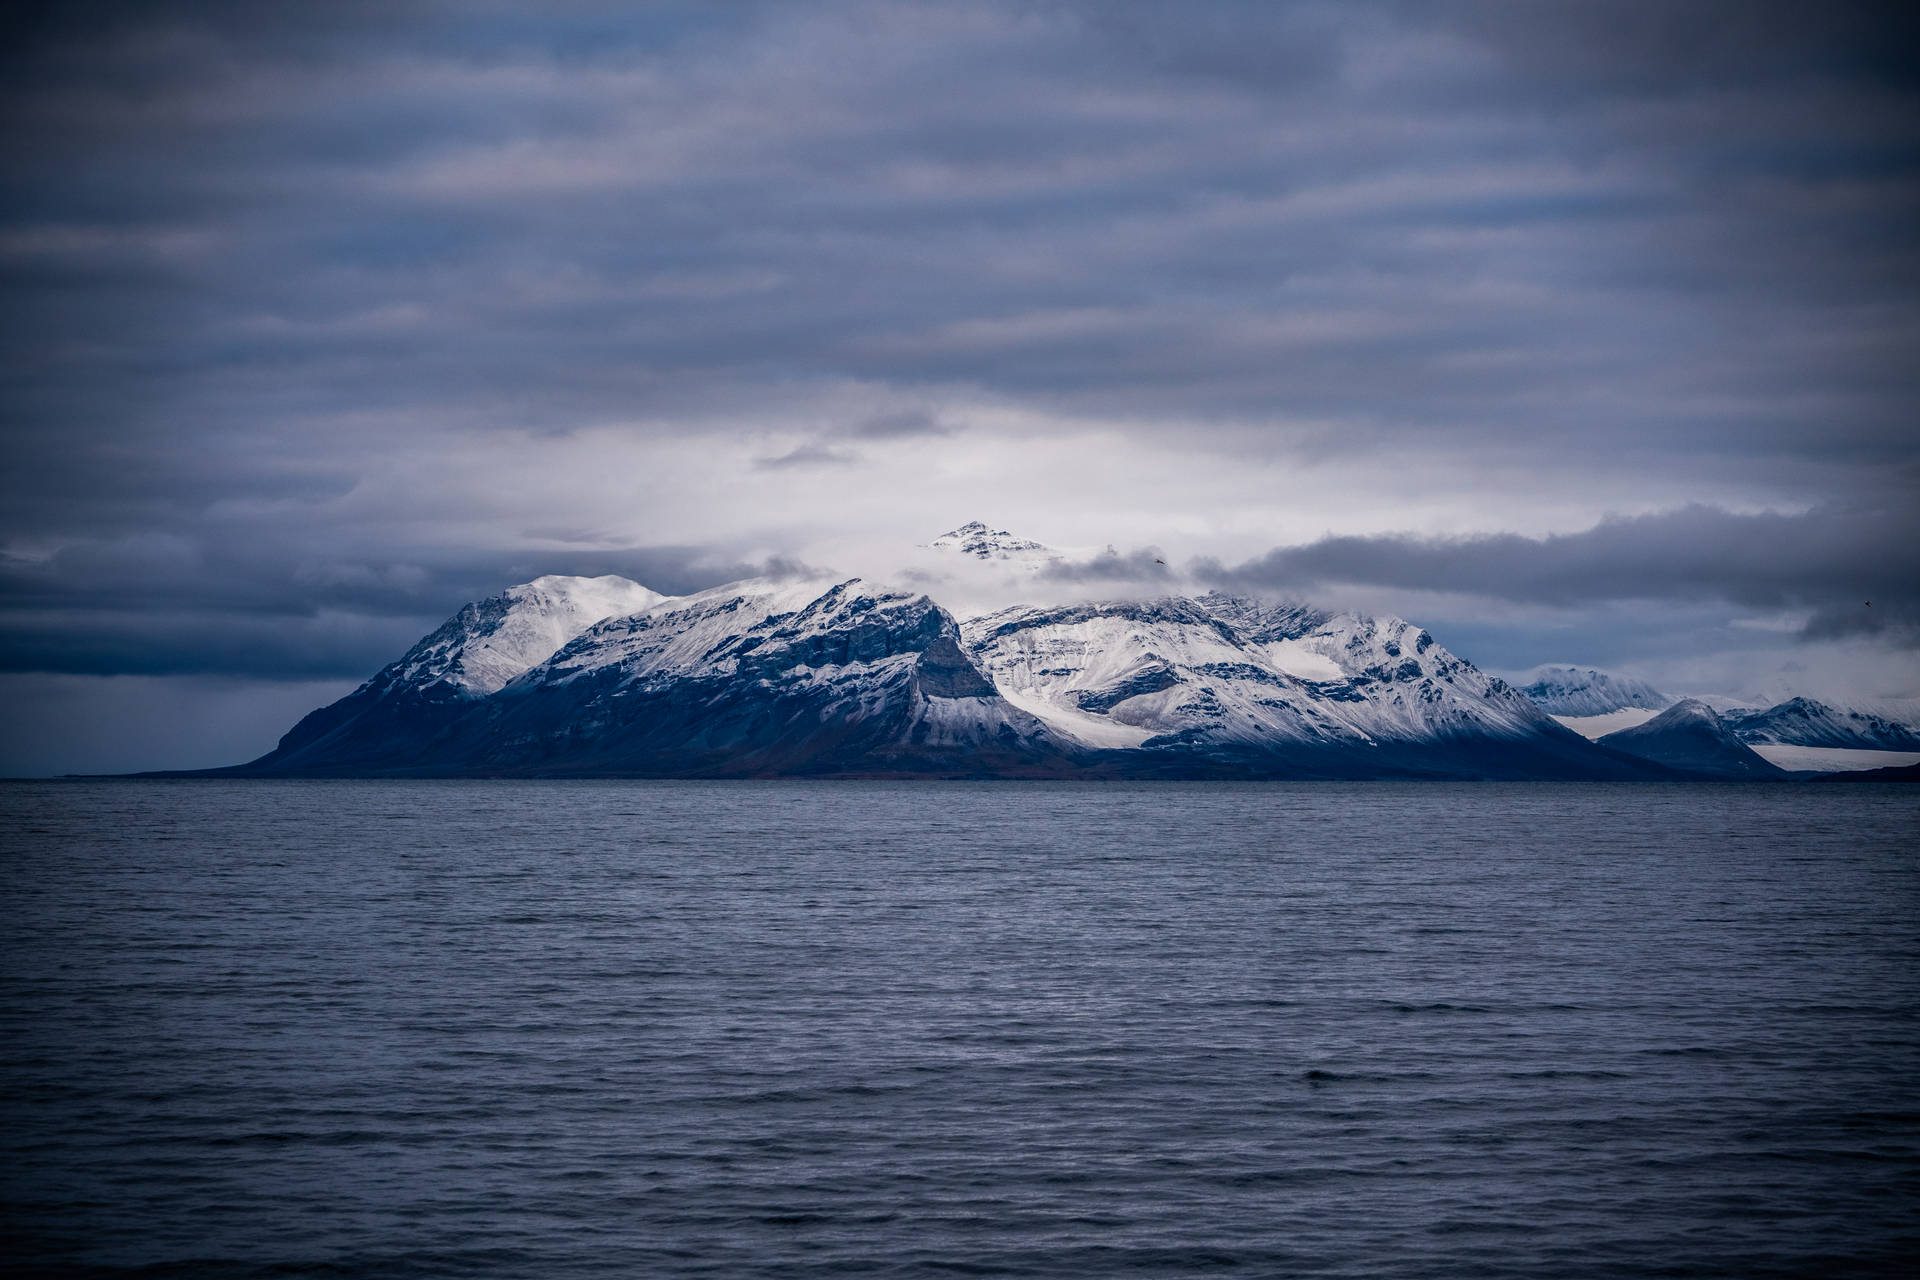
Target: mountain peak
1688, 709
983, 542
1690, 735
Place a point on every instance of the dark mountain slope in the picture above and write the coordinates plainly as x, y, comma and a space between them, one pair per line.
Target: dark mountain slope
1688, 735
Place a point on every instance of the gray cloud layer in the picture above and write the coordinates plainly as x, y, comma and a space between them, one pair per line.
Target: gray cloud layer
304, 301
1851, 570
1491, 220
153, 606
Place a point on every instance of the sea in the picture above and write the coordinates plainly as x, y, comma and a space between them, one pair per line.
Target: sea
936, 1029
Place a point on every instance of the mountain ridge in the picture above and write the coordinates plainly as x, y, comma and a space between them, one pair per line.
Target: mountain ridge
809, 675
1804, 722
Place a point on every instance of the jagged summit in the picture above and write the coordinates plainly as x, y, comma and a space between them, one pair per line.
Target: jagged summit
977, 539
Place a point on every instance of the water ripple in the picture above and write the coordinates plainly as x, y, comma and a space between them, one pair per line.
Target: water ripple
912, 1030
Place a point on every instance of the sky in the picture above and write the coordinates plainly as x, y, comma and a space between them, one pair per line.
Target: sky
1577, 333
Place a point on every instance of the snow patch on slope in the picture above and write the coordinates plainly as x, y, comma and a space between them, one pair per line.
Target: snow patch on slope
1298, 658
1088, 730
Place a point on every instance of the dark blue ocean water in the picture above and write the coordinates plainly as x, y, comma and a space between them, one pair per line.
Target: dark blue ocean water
823, 1029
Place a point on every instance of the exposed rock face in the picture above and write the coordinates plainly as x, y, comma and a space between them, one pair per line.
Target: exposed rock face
943, 671
1690, 736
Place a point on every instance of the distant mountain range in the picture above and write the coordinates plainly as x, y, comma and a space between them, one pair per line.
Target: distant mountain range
1802, 722
1576, 691
1614, 710
807, 676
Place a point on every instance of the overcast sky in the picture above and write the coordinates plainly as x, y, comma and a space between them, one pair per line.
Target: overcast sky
1580, 333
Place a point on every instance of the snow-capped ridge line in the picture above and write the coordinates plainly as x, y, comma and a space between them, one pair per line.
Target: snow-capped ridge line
1221, 671
818, 674
1805, 722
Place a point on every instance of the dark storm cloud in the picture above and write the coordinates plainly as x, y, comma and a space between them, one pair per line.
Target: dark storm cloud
831, 450
904, 424
1640, 48
168, 606
1218, 212
1852, 570
1145, 568
806, 455
253, 252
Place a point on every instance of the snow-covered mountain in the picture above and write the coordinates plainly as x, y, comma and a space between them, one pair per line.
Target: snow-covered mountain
768, 677
1582, 691
403, 709
816, 676
757, 677
1802, 722
997, 547
1224, 676
1597, 704
1690, 735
